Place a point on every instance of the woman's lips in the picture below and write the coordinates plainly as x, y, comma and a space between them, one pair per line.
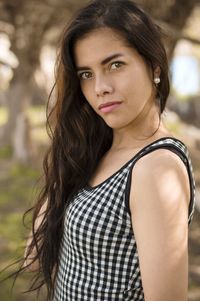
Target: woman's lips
108, 107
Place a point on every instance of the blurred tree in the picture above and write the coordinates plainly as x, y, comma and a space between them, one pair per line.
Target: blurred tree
30, 24
26, 23
172, 16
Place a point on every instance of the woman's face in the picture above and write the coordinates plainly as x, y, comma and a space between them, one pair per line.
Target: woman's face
111, 72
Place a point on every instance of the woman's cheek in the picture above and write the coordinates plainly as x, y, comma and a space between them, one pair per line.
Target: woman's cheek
89, 96
85, 89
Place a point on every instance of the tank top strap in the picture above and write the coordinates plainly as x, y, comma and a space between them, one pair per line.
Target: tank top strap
178, 147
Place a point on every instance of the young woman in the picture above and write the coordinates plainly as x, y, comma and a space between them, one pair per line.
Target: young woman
111, 223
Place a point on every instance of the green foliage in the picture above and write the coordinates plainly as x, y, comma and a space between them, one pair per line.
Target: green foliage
18, 185
3, 115
174, 127
6, 152
27, 172
19, 188
36, 114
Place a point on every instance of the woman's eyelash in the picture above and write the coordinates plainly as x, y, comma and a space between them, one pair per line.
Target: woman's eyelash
80, 75
118, 62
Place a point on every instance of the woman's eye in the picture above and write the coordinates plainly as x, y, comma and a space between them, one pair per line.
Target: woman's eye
84, 75
116, 65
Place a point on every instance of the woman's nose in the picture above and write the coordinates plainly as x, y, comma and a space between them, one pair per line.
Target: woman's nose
103, 85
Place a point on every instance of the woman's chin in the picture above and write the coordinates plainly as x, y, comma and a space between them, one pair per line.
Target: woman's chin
116, 124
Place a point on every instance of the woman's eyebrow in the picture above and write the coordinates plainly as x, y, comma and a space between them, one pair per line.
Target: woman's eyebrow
105, 61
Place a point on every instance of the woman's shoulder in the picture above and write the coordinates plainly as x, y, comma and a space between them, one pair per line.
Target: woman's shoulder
161, 161
164, 147
161, 172
158, 160
159, 199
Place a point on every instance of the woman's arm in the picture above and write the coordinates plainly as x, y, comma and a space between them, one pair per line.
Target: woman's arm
159, 200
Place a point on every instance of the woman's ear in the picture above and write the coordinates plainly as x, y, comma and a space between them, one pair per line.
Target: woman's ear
157, 72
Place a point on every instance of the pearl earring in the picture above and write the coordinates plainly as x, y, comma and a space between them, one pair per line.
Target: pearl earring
156, 80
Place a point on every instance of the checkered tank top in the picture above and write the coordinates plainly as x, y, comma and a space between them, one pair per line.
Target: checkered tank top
98, 256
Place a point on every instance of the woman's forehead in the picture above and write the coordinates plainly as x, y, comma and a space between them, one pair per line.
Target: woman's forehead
100, 44
103, 33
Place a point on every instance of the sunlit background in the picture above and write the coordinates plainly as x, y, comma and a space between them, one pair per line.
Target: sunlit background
29, 35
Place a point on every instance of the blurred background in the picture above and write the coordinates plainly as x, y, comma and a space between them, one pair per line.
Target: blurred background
29, 33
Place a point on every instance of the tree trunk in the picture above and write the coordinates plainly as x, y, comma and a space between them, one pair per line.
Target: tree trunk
18, 98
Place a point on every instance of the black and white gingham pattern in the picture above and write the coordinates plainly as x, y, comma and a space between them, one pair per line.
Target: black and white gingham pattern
98, 256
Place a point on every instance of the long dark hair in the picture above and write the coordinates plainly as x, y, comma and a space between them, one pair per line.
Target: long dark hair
79, 137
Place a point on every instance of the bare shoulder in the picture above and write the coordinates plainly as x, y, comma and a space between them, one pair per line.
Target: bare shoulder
160, 158
159, 198
163, 172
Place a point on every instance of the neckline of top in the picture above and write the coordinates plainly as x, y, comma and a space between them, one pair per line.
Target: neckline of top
89, 187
